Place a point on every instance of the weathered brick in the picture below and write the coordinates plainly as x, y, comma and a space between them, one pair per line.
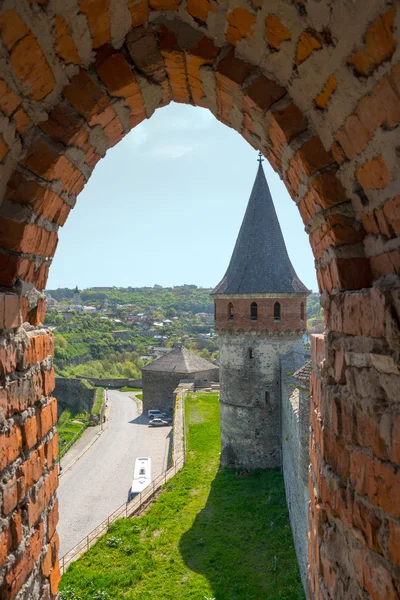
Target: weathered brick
21, 568
285, 125
323, 97
276, 32
373, 576
85, 96
385, 264
12, 28
309, 42
8, 100
10, 446
199, 9
394, 542
47, 417
241, 24
29, 433
3, 148
10, 495
52, 520
139, 10
374, 174
43, 496
175, 66
27, 238
32, 67
377, 480
97, 13
379, 45
165, 4
30, 471
65, 46
41, 345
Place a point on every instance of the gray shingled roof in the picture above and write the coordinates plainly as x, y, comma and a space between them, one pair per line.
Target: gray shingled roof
260, 262
180, 360
304, 373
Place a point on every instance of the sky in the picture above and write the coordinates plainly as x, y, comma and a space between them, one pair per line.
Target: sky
165, 207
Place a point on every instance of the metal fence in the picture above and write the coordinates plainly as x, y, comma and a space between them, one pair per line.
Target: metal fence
65, 448
129, 509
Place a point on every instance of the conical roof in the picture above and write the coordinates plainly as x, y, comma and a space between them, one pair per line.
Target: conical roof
180, 360
260, 262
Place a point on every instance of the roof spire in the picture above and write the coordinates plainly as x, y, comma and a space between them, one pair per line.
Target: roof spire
260, 157
260, 262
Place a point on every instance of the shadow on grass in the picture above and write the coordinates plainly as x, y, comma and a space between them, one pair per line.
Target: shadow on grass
242, 542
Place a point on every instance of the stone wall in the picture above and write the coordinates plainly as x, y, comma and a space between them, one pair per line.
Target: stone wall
112, 383
250, 398
74, 395
159, 387
295, 454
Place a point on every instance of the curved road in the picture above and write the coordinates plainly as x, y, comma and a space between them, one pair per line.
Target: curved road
99, 482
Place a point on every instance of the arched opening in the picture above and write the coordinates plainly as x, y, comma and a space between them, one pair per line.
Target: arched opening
75, 81
230, 311
277, 312
254, 311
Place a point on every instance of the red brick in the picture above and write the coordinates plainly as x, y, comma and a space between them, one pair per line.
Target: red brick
40, 347
47, 417
385, 264
65, 46
285, 125
199, 9
3, 148
374, 174
8, 100
51, 450
16, 529
241, 25
48, 163
175, 66
52, 520
22, 567
30, 471
394, 543
139, 10
27, 238
97, 12
12, 28
55, 577
262, 93
373, 576
10, 446
32, 68
323, 98
307, 44
377, 480
43, 496
313, 156
29, 433
276, 32
10, 495
379, 45
165, 4
85, 96
22, 121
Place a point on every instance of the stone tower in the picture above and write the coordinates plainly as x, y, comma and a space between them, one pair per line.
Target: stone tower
77, 296
260, 315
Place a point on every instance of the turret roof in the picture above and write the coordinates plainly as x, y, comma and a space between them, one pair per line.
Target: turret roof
260, 262
180, 360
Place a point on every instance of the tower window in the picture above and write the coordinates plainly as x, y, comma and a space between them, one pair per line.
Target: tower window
302, 311
253, 311
215, 311
230, 311
266, 397
277, 311
251, 355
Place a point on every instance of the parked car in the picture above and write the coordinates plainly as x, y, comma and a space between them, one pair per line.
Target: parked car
156, 422
158, 415
155, 413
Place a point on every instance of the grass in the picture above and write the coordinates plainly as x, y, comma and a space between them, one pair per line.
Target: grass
69, 426
126, 388
211, 534
98, 401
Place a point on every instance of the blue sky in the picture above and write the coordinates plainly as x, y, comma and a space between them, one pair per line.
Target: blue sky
165, 206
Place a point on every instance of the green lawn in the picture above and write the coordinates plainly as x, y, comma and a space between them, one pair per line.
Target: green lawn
69, 426
98, 401
126, 388
212, 534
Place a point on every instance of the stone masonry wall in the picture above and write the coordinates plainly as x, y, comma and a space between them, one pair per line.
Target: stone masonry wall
72, 394
295, 455
250, 397
28, 447
159, 387
314, 85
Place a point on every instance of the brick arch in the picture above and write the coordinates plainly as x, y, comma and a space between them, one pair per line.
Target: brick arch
322, 104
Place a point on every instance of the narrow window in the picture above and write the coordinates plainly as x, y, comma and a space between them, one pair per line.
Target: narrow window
215, 311
302, 311
277, 311
251, 355
266, 397
253, 311
230, 311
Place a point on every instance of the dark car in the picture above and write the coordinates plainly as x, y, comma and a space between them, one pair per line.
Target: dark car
159, 422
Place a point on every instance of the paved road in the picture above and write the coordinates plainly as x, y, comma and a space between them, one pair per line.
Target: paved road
99, 482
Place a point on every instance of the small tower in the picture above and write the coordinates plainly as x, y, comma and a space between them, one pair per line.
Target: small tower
260, 316
77, 296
